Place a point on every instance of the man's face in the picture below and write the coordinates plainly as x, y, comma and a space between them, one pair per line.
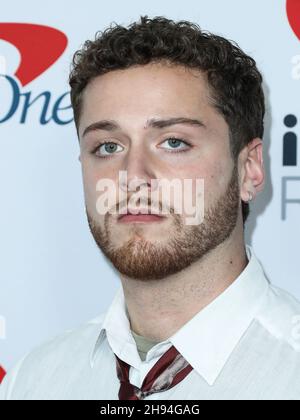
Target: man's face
131, 97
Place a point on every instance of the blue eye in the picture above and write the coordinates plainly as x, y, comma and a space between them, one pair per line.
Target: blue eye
175, 143
109, 147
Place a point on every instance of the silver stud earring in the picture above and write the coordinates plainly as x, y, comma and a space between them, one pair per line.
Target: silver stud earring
250, 196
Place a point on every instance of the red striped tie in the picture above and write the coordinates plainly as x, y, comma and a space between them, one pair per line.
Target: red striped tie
168, 371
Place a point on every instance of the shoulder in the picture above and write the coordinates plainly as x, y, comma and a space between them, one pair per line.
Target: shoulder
280, 316
57, 353
70, 341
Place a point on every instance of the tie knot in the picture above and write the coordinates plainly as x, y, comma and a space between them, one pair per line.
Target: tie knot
168, 371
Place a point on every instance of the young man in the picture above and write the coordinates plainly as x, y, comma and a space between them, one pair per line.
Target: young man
195, 317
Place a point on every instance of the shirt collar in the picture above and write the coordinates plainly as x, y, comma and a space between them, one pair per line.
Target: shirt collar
209, 338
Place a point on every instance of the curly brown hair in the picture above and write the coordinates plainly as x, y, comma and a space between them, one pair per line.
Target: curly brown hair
235, 83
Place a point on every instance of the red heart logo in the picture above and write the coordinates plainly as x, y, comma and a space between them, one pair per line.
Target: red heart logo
2, 373
293, 13
40, 47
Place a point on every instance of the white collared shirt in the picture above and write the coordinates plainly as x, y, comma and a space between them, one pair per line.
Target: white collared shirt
245, 345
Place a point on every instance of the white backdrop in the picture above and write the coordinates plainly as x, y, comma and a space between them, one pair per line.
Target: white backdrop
52, 276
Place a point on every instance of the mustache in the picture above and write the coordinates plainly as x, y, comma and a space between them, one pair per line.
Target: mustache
144, 206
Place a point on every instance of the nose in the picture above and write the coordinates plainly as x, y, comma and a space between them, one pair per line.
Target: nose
139, 171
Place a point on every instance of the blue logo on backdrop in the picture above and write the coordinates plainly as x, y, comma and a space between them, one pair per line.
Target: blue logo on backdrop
57, 110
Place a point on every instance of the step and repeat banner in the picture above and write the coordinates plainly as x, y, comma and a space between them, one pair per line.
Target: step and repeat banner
52, 276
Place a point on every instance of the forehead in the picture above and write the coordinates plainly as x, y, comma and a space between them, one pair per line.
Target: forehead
156, 90
154, 84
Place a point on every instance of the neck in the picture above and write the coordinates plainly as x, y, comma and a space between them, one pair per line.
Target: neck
157, 309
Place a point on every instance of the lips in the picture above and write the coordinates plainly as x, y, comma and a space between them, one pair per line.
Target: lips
140, 212
140, 215
127, 218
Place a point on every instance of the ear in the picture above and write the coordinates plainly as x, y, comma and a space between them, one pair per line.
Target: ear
252, 169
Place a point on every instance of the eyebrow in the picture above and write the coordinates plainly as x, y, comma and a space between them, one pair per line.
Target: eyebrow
111, 125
